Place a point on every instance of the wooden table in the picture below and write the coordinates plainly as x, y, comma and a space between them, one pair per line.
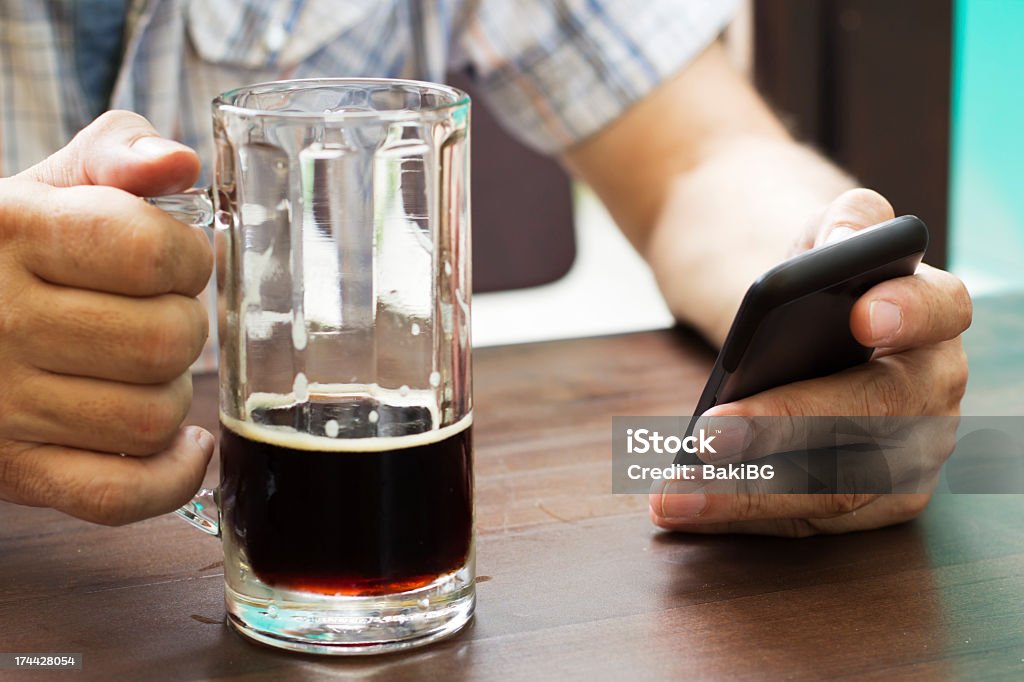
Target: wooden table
575, 582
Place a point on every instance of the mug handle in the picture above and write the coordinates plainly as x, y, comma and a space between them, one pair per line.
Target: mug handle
195, 207
203, 511
192, 207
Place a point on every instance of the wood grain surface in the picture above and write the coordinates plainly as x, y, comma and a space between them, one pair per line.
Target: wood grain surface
575, 582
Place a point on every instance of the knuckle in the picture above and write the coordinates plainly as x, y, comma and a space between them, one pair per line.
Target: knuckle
965, 305
792, 433
19, 402
197, 326
959, 374
151, 253
99, 208
867, 204
23, 483
9, 213
908, 506
947, 303
156, 421
945, 444
8, 473
14, 479
125, 226
844, 503
112, 120
203, 261
12, 321
171, 340
887, 395
115, 117
750, 505
788, 408
20, 200
796, 528
109, 501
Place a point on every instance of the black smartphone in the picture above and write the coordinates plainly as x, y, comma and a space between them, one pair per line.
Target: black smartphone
794, 321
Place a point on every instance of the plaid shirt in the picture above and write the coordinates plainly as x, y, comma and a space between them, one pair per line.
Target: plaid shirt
553, 71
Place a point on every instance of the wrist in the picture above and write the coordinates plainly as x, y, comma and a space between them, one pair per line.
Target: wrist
743, 210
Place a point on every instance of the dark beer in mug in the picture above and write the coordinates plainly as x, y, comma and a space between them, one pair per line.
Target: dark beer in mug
348, 516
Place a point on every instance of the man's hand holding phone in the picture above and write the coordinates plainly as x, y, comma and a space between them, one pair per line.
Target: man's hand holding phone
918, 368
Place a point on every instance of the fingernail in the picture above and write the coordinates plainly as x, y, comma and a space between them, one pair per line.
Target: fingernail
676, 505
153, 147
886, 319
202, 438
839, 234
732, 436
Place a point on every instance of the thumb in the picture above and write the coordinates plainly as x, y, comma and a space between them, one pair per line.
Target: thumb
120, 149
852, 211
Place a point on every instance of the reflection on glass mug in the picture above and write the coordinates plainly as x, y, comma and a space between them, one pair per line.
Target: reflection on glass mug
341, 217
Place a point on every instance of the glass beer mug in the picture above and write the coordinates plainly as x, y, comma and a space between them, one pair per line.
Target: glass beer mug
340, 210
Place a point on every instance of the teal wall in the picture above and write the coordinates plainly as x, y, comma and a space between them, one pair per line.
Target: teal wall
987, 164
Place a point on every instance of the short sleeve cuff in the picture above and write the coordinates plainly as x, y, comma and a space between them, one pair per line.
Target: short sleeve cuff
555, 75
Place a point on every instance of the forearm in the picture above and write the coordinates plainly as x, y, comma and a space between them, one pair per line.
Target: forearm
736, 214
708, 185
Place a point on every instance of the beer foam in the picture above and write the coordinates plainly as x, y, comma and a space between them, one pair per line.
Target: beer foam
287, 437
302, 389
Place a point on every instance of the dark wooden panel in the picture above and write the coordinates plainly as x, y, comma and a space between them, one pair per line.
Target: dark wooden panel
789, 63
892, 66
868, 82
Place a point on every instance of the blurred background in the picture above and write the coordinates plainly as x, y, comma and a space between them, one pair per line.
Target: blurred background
921, 100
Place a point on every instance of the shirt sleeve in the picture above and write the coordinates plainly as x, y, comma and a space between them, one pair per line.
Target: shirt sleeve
556, 71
